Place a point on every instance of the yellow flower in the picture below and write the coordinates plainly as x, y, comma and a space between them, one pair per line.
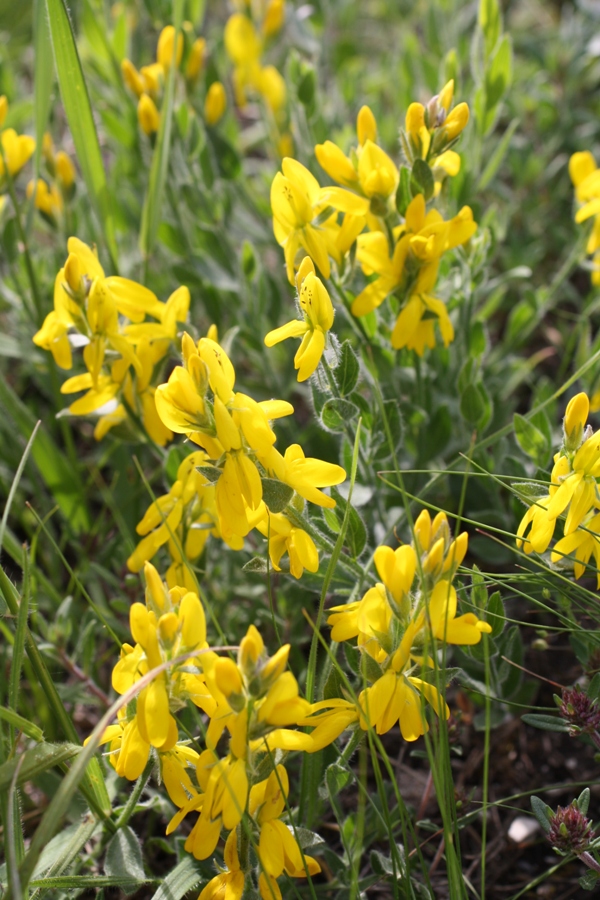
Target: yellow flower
429, 130
299, 204
195, 59
271, 84
278, 850
581, 544
47, 199
304, 475
132, 78
284, 537
17, 150
65, 170
227, 885
578, 489
188, 511
3, 109
318, 311
215, 103
148, 115
165, 48
274, 18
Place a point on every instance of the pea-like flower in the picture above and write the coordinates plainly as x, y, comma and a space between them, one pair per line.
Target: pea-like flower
317, 308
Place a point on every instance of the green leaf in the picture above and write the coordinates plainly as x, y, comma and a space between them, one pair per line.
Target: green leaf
276, 494
60, 477
179, 881
545, 722
347, 370
495, 615
477, 339
127, 883
495, 160
257, 564
479, 593
421, 179
333, 523
211, 473
24, 725
499, 75
531, 440
403, 195
124, 857
589, 880
434, 436
583, 801
160, 160
35, 761
337, 414
490, 22
529, 491
227, 157
593, 690
472, 405
541, 812
43, 79
356, 535
337, 778
307, 838
78, 111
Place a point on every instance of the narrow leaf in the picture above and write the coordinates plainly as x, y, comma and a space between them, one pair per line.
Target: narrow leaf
78, 110
35, 761
182, 879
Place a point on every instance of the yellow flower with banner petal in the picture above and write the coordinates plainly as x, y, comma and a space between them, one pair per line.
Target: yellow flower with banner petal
285, 537
398, 622
230, 883
304, 215
317, 308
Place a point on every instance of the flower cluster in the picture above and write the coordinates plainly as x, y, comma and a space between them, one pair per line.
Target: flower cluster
572, 493
240, 481
245, 45
585, 176
148, 83
17, 149
401, 621
254, 701
125, 332
401, 250
52, 194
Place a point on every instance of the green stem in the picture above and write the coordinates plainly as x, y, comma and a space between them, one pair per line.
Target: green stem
135, 795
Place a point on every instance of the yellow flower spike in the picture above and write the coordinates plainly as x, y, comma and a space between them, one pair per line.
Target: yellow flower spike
456, 121
576, 416
132, 78
148, 115
274, 18
3, 109
215, 103
65, 170
196, 59
446, 95
366, 126
165, 47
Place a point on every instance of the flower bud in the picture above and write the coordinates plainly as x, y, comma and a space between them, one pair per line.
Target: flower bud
215, 103
3, 109
456, 121
366, 126
195, 59
576, 414
570, 831
132, 78
73, 273
65, 170
148, 115
446, 94
157, 598
581, 712
227, 676
168, 626
164, 50
274, 18
251, 648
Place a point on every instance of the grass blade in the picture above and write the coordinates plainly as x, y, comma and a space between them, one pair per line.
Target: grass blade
160, 159
55, 469
35, 761
21, 724
78, 110
19, 643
